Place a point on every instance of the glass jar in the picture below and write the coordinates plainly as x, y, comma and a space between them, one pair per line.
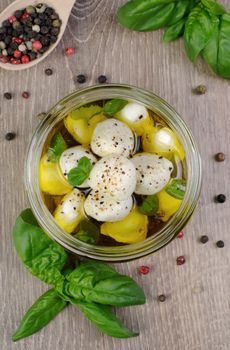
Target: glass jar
173, 226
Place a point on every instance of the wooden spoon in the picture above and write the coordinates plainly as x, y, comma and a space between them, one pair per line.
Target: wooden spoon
63, 9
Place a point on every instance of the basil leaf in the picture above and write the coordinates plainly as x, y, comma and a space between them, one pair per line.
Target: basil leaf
181, 9
176, 188
217, 51
175, 30
40, 314
114, 106
57, 146
98, 282
105, 320
198, 30
85, 112
145, 15
43, 257
78, 175
150, 205
214, 7
88, 232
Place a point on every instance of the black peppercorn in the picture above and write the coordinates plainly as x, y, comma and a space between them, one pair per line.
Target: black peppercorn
48, 71
18, 13
6, 23
220, 157
220, 244
102, 79
8, 95
81, 78
10, 136
221, 198
204, 239
44, 30
161, 298
53, 39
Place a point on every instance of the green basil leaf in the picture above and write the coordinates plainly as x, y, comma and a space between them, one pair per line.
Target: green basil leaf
78, 175
214, 7
114, 106
85, 112
176, 188
175, 30
145, 15
88, 232
40, 314
198, 30
57, 146
43, 257
150, 205
217, 51
105, 320
181, 9
98, 282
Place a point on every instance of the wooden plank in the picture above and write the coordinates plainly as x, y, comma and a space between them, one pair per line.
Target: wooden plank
196, 314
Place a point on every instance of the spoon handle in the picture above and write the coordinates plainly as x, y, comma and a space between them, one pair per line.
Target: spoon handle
63, 7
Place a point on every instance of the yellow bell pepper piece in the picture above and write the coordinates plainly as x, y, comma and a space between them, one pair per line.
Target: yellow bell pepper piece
69, 212
132, 229
51, 179
168, 205
162, 141
81, 125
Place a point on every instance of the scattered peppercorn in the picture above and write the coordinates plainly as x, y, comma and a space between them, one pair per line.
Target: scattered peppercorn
81, 78
25, 94
220, 244
200, 89
49, 71
161, 298
204, 239
41, 115
221, 198
102, 79
8, 95
69, 51
10, 136
220, 157
180, 235
180, 260
144, 270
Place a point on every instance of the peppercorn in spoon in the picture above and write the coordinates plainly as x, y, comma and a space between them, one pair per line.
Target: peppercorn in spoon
30, 31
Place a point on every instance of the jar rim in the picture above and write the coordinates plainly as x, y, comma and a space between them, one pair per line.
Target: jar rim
168, 114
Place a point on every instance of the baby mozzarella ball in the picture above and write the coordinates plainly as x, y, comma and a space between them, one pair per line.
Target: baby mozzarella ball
112, 137
114, 177
153, 173
101, 209
70, 158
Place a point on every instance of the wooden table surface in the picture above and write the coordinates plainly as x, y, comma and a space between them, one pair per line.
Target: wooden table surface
196, 314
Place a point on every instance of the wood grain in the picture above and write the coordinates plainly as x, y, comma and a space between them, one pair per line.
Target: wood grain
196, 314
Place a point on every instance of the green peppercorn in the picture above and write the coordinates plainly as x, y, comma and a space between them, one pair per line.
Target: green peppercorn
56, 23
200, 89
30, 9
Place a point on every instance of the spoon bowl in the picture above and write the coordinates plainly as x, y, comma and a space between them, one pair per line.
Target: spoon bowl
63, 9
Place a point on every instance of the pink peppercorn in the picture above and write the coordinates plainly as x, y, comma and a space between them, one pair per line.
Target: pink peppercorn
180, 260
180, 235
17, 40
4, 59
69, 51
25, 59
144, 270
14, 61
25, 15
12, 19
36, 45
17, 54
25, 94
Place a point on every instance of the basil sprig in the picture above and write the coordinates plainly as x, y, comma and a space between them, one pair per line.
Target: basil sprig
176, 188
88, 232
57, 146
80, 173
149, 205
114, 106
92, 286
205, 25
